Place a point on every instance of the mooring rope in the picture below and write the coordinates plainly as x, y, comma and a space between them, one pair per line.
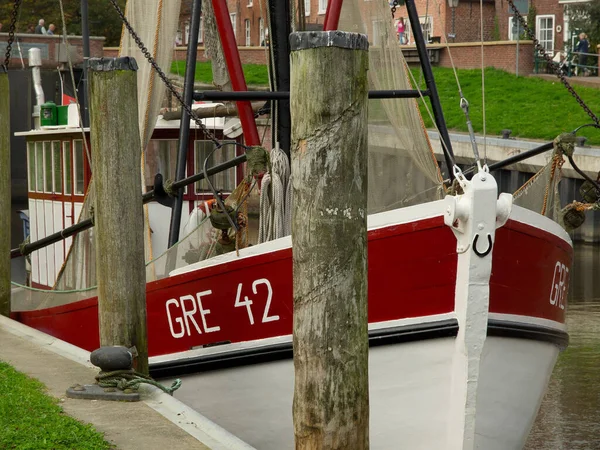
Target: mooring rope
130, 379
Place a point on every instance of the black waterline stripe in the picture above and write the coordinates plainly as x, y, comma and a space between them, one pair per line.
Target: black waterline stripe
384, 336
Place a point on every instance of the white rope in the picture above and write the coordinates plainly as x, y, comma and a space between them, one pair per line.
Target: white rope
275, 211
264, 228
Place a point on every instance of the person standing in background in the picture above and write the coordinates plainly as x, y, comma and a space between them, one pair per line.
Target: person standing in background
40, 29
401, 31
583, 47
51, 29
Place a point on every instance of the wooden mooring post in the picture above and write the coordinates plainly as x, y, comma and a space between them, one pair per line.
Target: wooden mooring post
5, 198
329, 233
118, 213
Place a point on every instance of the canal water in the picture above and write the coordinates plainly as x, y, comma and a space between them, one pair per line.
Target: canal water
569, 417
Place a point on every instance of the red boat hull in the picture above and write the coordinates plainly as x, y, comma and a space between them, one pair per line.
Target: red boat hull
412, 273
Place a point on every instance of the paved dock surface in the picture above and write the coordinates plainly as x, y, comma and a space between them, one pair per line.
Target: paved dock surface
158, 422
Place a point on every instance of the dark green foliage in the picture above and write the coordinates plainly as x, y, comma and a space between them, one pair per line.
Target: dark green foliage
29, 419
531, 14
585, 17
103, 19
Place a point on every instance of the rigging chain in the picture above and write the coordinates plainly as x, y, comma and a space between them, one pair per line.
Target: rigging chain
542, 51
162, 75
11, 32
395, 4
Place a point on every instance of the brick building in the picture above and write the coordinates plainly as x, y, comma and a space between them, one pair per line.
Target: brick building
460, 24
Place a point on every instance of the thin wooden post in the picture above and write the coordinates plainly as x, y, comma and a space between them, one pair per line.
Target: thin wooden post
118, 212
5, 199
329, 234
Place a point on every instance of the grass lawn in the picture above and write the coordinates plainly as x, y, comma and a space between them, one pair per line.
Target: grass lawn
531, 107
255, 74
30, 419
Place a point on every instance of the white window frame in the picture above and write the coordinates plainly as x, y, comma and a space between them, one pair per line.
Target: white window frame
201, 30
248, 31
31, 166
233, 18
510, 35
261, 31
538, 30
48, 167
422, 20
249, 4
307, 7
323, 6
57, 185
186, 32
67, 180
76, 175
39, 171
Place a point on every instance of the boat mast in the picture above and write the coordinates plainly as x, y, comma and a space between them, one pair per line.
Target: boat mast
279, 32
184, 124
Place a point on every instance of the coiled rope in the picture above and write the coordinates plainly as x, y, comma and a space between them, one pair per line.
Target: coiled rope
130, 380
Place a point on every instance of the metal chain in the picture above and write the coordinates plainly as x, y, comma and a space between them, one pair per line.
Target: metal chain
542, 51
162, 75
11, 32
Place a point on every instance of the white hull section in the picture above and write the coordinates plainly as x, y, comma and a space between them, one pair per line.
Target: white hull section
410, 392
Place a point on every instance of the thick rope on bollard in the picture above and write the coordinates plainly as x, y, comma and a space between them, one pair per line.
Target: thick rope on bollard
129, 380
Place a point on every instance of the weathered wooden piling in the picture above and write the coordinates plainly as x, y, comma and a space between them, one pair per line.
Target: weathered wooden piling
118, 213
329, 234
5, 208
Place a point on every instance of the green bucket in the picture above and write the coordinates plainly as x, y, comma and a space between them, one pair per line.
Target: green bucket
63, 114
48, 116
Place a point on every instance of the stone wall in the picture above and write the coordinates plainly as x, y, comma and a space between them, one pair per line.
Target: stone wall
248, 55
501, 55
52, 49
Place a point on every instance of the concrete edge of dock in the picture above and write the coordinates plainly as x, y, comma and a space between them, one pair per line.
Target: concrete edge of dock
158, 421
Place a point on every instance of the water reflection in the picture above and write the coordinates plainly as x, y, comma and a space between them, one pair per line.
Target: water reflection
568, 417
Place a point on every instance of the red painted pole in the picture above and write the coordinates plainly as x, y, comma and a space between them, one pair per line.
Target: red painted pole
332, 16
234, 67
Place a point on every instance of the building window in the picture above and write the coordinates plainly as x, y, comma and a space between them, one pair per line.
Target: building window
515, 29
201, 30
223, 181
261, 31
56, 168
78, 166
160, 157
232, 16
307, 7
67, 167
544, 30
47, 168
322, 6
247, 26
249, 3
426, 28
31, 160
39, 166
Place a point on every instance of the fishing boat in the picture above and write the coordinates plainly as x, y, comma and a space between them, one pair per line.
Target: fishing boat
466, 292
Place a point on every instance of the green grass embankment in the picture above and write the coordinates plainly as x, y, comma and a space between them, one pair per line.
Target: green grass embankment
531, 107
30, 419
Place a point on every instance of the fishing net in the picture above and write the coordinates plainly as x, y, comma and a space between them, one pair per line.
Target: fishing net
155, 22
403, 170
